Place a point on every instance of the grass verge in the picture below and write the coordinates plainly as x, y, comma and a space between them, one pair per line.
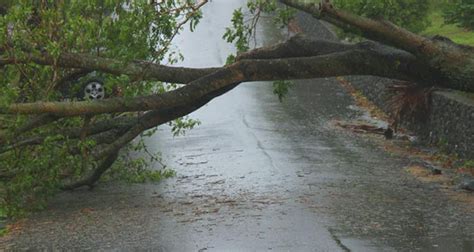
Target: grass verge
457, 34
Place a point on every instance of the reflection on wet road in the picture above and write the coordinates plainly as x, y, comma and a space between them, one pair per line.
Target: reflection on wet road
261, 175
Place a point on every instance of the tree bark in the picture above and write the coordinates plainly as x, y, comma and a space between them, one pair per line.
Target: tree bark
361, 59
452, 65
139, 70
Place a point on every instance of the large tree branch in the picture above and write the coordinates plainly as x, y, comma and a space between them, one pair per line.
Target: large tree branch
382, 31
158, 117
151, 119
452, 65
364, 58
352, 62
303, 46
297, 46
138, 70
99, 132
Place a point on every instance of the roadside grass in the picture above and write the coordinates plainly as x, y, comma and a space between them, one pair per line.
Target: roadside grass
457, 34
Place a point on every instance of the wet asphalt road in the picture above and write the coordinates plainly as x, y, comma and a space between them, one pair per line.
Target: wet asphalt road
260, 175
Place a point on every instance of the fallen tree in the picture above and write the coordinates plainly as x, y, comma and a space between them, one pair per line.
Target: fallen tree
92, 132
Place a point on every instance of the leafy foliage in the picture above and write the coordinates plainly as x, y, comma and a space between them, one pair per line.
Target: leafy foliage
461, 12
119, 29
245, 22
239, 33
281, 88
244, 30
131, 169
410, 14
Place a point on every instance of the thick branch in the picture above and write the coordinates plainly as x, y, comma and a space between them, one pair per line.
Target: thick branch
96, 130
147, 121
381, 31
155, 118
303, 46
452, 65
136, 69
297, 46
352, 62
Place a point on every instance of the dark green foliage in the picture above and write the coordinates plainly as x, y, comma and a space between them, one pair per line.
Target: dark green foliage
461, 12
410, 14
281, 88
239, 33
119, 29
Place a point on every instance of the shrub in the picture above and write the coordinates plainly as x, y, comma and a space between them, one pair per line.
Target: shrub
461, 12
410, 14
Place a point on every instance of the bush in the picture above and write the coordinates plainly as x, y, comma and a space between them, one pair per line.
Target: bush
38, 162
461, 12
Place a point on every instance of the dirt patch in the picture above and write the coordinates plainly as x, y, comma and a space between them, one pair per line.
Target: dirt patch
12, 230
427, 175
362, 101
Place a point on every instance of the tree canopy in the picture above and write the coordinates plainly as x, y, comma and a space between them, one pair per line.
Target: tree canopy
54, 136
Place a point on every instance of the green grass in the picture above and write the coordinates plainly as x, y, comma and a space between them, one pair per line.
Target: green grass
455, 33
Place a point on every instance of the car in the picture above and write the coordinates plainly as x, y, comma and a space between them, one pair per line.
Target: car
88, 87
93, 90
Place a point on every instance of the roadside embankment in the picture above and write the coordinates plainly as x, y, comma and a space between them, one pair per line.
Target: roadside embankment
449, 124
